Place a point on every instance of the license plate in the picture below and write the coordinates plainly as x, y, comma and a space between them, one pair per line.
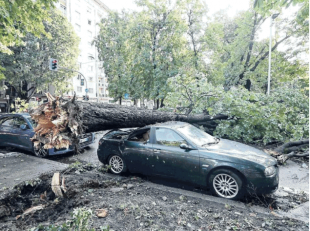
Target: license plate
83, 140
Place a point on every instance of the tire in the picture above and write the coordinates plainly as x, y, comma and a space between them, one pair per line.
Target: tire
40, 151
117, 164
226, 184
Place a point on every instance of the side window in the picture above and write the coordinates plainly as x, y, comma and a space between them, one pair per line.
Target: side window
140, 136
19, 121
8, 121
168, 137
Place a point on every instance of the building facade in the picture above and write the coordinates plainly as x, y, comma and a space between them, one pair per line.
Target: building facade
84, 15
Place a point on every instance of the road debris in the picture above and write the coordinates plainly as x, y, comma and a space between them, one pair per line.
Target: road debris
101, 213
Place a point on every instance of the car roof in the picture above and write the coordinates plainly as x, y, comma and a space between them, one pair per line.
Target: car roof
15, 114
170, 124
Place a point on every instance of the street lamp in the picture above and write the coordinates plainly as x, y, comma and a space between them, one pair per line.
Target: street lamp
269, 66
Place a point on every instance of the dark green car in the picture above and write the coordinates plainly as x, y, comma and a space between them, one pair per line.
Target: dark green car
183, 152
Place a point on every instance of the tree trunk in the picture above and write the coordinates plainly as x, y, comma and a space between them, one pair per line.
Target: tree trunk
61, 122
97, 117
162, 103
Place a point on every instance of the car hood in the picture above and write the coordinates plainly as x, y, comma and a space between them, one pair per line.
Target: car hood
242, 151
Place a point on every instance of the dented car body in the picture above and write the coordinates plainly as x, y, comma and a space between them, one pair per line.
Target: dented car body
183, 152
17, 129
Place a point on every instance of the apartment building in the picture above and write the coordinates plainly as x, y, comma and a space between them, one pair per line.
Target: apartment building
84, 15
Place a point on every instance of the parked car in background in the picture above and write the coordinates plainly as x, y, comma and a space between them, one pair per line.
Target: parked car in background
17, 129
183, 152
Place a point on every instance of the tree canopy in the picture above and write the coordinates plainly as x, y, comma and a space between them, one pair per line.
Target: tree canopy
19, 17
175, 52
29, 61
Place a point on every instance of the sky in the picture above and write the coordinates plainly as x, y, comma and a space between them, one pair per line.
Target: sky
213, 6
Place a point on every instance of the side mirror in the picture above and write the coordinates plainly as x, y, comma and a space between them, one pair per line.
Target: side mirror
184, 146
23, 126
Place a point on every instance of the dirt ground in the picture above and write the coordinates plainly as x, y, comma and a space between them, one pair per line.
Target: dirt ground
130, 205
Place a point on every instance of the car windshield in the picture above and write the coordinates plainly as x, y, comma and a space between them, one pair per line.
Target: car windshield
197, 136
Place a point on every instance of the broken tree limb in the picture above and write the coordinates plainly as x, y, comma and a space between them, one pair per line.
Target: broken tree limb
292, 146
57, 187
61, 122
290, 149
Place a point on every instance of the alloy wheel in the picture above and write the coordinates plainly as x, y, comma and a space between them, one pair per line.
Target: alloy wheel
225, 186
40, 151
117, 164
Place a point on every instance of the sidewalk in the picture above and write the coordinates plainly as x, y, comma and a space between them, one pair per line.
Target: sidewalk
17, 167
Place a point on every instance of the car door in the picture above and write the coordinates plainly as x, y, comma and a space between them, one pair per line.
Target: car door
173, 161
138, 152
6, 127
22, 136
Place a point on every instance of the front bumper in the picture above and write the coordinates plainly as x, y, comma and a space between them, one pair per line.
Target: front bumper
264, 185
88, 140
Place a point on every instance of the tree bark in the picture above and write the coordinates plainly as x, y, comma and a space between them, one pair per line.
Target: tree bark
97, 117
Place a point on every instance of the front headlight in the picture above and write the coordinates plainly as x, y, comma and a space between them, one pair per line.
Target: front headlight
269, 171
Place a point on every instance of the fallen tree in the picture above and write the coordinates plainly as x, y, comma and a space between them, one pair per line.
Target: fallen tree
290, 149
60, 122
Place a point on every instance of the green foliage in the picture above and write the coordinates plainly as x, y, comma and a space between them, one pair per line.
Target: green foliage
266, 7
141, 50
253, 116
80, 222
22, 106
256, 117
174, 52
29, 62
19, 17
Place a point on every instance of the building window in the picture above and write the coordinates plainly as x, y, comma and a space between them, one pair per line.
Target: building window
89, 22
78, 27
90, 68
79, 89
77, 15
90, 90
90, 57
90, 79
82, 82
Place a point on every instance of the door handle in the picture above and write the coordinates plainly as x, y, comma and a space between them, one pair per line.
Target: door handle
156, 150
